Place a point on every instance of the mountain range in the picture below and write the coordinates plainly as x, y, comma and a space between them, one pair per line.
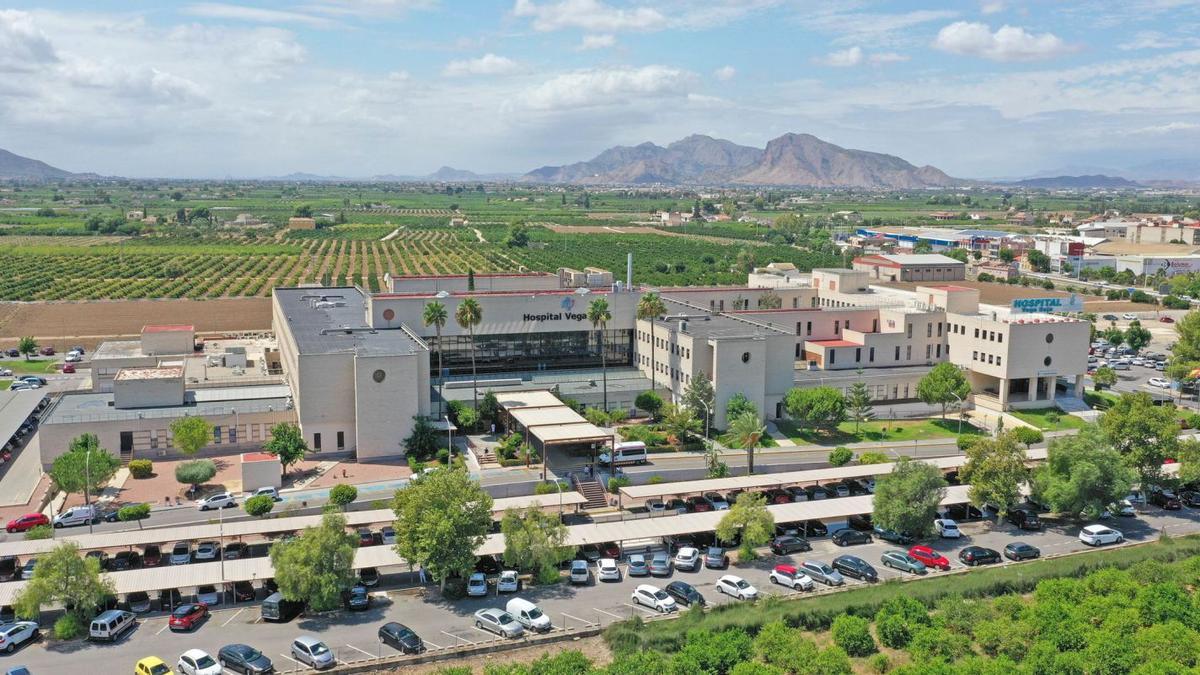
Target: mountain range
16, 167
1076, 182
791, 159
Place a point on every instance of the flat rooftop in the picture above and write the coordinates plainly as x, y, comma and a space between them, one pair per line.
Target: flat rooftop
117, 349
163, 373
75, 408
169, 328
333, 321
851, 374
568, 383
718, 326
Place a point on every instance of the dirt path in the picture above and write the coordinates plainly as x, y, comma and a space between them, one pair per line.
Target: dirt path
479, 236
391, 235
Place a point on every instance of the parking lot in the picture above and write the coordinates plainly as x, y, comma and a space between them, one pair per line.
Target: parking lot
444, 624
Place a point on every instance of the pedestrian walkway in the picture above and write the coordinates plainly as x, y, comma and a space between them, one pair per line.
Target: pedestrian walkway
779, 437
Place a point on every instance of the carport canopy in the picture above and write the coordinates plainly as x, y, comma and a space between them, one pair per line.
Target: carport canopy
15, 408
550, 422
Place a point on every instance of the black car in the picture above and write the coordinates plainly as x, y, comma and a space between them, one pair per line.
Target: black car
244, 659
124, 560
357, 599
369, 576
1166, 500
978, 555
813, 528
10, 567
488, 565
963, 513
243, 591
1190, 498
1019, 550
685, 593
855, 567
861, 522
848, 537
236, 551
893, 536
1026, 519
789, 544
401, 637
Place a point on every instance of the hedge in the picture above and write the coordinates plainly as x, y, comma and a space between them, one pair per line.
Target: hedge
141, 468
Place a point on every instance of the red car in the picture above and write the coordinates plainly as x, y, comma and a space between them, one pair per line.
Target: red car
698, 504
1166, 319
188, 616
26, 522
47, 351
930, 557
68, 368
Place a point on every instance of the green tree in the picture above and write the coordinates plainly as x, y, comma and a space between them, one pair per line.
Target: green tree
700, 398
469, 315
649, 402
738, 404
1137, 336
489, 407
287, 443
435, 315
853, 634
1083, 474
1104, 377
195, 472
649, 309
943, 385
1007, 255
534, 541
1144, 433
422, 441
518, 237
27, 346
780, 645
1187, 346
134, 513
840, 456
64, 577
819, 407
190, 434
995, 469
259, 505
342, 495
599, 316
441, 518
749, 517
898, 619
85, 468
923, 247
679, 422
858, 403
873, 458
303, 211
1040, 262
907, 499
317, 566
748, 431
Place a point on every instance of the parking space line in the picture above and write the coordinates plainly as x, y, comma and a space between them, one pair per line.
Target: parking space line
489, 634
235, 615
166, 625
576, 618
369, 655
615, 616
457, 638
433, 645
291, 659
648, 611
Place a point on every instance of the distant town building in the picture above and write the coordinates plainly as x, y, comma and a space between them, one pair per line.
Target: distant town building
913, 267
297, 223
851, 216
943, 215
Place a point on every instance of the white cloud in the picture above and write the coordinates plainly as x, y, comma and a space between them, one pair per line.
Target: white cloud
725, 73
1150, 39
1009, 43
23, 46
843, 58
590, 15
1168, 128
368, 8
881, 58
609, 87
991, 6
603, 41
878, 29
217, 10
488, 64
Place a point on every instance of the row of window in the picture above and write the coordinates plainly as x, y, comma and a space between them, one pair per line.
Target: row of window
341, 441
976, 356
664, 369
931, 352
662, 343
989, 335
222, 435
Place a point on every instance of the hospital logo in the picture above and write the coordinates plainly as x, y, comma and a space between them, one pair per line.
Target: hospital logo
567, 304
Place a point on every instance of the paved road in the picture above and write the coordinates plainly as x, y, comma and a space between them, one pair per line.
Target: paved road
443, 624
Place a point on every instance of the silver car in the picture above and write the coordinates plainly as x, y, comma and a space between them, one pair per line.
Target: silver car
311, 651
499, 622
822, 572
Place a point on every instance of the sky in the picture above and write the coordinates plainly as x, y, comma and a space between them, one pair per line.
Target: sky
978, 88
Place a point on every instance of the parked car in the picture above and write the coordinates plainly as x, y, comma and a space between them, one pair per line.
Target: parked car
401, 638
197, 662
68, 368
688, 558
637, 566
508, 582
221, 500
715, 558
790, 576
312, 652
1098, 535
477, 585
243, 591
1190, 498
580, 572
787, 544
151, 555
946, 528
26, 522
608, 570
698, 504
46, 351
930, 557
899, 560
369, 576
1026, 519
1019, 550
654, 597
124, 560
236, 550
208, 595
1166, 319
500, 622
717, 500
268, 491
822, 572
861, 522
978, 555
1166, 500
660, 565
893, 536
358, 599
14, 635
207, 550
849, 537
30, 566
138, 602
389, 535
736, 587
188, 617
244, 659
813, 528
685, 593
855, 567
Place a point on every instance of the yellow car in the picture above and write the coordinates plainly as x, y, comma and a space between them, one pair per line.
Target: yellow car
152, 665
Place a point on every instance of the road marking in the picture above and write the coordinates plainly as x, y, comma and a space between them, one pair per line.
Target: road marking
457, 638
165, 626
615, 616
487, 633
235, 615
576, 618
291, 659
644, 609
369, 655
433, 645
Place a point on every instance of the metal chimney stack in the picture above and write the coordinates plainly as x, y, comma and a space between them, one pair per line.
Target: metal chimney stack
629, 271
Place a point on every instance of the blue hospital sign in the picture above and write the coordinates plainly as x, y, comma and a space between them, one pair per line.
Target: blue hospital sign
1072, 303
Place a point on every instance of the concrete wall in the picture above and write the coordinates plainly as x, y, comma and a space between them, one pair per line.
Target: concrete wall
740, 367
159, 343
483, 282
534, 312
148, 393
261, 473
385, 402
104, 370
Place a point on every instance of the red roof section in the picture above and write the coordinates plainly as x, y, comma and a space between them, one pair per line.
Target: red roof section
832, 343
258, 457
168, 328
875, 260
481, 275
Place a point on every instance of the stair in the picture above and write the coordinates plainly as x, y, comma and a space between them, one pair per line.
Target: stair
126, 455
486, 457
593, 491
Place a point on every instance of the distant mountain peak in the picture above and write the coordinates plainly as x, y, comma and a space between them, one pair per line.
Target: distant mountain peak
16, 167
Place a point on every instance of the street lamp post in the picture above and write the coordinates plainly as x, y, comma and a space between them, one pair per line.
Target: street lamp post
449, 439
960, 411
87, 480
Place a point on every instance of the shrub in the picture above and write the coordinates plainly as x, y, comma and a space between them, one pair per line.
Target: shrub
141, 468
833, 661
195, 472
39, 532
655, 480
853, 634
879, 663
617, 482
964, 442
1028, 435
133, 512
873, 458
259, 506
443, 455
841, 456
67, 627
649, 402
548, 488
343, 494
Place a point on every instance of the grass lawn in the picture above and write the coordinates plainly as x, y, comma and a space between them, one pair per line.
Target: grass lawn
38, 366
1100, 400
5, 384
1039, 418
879, 430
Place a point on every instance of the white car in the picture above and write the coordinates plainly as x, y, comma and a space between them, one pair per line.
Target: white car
1128, 316
477, 585
687, 558
6, 372
946, 528
207, 550
1160, 382
718, 501
14, 635
508, 582
607, 570
1123, 508
786, 575
654, 597
656, 507
220, 500
197, 662
1098, 535
73, 357
736, 587
499, 622
266, 492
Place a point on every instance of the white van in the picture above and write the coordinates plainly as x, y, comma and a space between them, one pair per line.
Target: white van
627, 452
528, 615
76, 515
111, 625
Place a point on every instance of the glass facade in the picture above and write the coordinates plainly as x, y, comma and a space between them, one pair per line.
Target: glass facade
531, 351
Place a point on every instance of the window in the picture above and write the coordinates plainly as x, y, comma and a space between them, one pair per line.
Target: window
233, 434
795, 303
871, 355
938, 351
808, 328
998, 361
928, 330
909, 326
153, 441
847, 323
857, 354
217, 435
874, 325
939, 329
928, 352
316, 441
341, 440
836, 327
976, 333
999, 337
974, 356
989, 358
797, 328
1047, 360
905, 390
1049, 338
797, 350
908, 353
897, 352
832, 356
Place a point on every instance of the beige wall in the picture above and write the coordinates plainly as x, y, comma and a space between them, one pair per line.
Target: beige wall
261, 473
1022, 349
507, 312
104, 370
159, 343
148, 393
384, 411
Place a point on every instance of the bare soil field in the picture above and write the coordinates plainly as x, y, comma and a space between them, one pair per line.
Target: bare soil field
1002, 294
88, 323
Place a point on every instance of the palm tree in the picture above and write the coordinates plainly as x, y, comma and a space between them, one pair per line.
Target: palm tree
468, 315
435, 315
650, 308
599, 315
747, 430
